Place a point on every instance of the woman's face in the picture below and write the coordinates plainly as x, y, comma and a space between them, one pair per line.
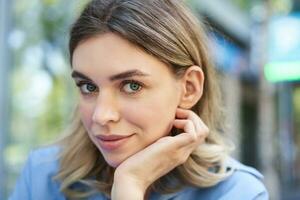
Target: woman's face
128, 98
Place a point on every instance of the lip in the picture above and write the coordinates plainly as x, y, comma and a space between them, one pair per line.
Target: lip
112, 142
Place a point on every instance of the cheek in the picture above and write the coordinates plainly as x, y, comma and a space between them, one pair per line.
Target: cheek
153, 115
86, 113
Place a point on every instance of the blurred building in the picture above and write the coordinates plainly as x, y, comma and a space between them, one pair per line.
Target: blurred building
263, 112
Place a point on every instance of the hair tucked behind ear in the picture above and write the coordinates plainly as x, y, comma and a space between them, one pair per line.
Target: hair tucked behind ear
169, 31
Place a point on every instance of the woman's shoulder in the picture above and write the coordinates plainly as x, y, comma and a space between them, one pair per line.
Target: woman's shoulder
45, 155
45, 160
244, 183
36, 179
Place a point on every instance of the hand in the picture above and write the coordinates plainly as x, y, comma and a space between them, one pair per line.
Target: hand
134, 175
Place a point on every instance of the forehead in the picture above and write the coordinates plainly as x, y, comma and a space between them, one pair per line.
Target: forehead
109, 54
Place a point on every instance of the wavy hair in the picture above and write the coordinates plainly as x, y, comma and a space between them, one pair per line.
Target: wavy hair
168, 30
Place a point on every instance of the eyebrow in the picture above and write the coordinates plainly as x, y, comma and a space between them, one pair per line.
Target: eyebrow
123, 75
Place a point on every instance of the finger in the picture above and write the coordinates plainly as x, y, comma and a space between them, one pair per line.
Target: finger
188, 114
182, 113
184, 140
200, 126
186, 125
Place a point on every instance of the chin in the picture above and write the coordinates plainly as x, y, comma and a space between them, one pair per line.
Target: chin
113, 163
114, 159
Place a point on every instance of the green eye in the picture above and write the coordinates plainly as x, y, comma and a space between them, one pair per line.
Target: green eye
90, 88
87, 88
132, 87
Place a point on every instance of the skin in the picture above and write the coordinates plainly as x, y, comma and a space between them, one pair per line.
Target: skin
143, 107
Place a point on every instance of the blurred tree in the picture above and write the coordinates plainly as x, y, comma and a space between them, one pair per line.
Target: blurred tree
278, 6
244, 5
281, 6
42, 91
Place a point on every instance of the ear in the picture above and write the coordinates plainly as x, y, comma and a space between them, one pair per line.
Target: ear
192, 87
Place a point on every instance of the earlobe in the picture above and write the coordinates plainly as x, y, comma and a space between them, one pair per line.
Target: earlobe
192, 87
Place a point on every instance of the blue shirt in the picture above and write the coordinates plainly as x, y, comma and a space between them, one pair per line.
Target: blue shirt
36, 183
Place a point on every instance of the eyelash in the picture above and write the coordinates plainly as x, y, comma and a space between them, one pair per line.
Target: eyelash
122, 84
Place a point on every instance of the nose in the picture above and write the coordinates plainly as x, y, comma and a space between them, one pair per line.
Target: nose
106, 110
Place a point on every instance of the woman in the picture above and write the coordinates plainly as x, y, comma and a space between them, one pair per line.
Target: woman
148, 123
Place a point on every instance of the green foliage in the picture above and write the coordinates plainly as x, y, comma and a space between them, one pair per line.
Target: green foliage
296, 103
43, 94
281, 6
242, 4
57, 107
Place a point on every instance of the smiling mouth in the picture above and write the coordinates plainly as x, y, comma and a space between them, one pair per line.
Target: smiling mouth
112, 142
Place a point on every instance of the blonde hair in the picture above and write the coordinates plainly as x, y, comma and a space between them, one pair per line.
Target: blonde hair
167, 30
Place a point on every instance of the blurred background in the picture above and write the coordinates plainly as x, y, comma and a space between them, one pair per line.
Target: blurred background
256, 46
